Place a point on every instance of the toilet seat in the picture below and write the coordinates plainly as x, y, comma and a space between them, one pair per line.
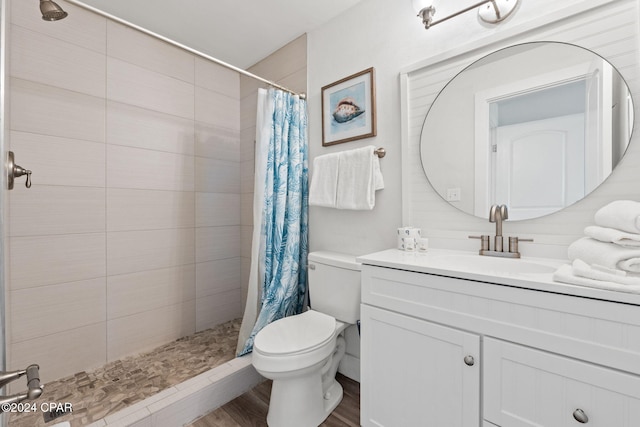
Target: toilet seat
296, 334
295, 342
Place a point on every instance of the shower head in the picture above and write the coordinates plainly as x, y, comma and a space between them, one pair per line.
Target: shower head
51, 11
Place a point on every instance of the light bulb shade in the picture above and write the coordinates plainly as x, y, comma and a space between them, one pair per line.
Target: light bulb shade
418, 5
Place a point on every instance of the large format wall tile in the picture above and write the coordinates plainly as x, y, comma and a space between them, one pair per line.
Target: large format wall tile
214, 277
217, 78
214, 243
246, 208
217, 176
130, 210
60, 161
216, 109
46, 260
247, 176
219, 308
138, 86
137, 48
148, 169
51, 209
248, 142
133, 293
132, 251
102, 249
283, 62
146, 330
49, 110
246, 237
143, 128
46, 310
216, 209
249, 110
64, 353
217, 143
85, 29
43, 59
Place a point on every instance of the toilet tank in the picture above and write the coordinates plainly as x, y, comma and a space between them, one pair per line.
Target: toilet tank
334, 285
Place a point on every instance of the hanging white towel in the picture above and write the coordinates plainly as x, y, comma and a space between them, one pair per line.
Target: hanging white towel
324, 181
622, 214
604, 254
612, 235
359, 177
565, 274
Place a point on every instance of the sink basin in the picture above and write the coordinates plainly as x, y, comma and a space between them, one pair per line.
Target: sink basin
491, 265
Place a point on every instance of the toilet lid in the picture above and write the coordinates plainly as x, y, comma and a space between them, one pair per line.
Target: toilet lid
295, 334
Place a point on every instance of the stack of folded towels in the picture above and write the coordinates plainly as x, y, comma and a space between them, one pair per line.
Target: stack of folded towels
609, 256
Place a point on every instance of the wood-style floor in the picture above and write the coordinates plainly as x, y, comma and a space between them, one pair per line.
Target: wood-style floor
251, 408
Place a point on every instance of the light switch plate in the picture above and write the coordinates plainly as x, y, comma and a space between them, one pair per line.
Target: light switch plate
453, 194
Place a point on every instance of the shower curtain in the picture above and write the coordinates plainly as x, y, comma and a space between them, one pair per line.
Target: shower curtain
280, 208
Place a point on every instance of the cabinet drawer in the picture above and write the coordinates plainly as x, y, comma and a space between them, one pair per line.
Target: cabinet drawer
527, 387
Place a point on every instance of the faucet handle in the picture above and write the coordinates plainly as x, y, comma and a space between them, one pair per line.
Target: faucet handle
492, 213
484, 241
504, 212
498, 213
513, 243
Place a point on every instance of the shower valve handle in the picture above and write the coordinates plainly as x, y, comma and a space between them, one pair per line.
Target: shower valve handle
19, 171
14, 171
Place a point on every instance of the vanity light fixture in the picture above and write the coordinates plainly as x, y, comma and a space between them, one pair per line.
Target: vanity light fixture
491, 11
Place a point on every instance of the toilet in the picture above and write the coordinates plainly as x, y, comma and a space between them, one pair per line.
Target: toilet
301, 353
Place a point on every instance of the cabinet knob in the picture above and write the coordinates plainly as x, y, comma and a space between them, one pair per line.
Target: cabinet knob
469, 360
580, 416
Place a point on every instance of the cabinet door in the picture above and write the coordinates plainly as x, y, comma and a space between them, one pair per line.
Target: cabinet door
414, 373
528, 387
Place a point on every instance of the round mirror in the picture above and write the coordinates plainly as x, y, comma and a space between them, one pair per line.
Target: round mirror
535, 126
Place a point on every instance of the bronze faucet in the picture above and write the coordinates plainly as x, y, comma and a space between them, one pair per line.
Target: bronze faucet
497, 214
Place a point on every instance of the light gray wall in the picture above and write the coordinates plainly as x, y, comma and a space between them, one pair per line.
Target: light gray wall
386, 34
447, 227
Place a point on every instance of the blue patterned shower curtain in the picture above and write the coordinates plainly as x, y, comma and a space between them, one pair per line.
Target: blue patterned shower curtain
279, 265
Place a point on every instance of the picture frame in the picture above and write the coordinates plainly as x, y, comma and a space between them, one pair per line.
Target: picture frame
349, 108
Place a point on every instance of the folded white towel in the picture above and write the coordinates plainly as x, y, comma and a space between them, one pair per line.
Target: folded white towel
359, 177
582, 269
612, 235
565, 274
622, 214
324, 180
607, 255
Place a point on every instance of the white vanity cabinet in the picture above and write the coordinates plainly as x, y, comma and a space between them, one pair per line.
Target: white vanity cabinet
528, 387
417, 372
536, 357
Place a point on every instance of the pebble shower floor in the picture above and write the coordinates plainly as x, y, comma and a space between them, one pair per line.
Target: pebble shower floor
121, 383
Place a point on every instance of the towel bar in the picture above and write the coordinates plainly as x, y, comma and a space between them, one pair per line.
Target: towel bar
380, 152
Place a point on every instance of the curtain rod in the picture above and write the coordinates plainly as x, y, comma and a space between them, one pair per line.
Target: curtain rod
182, 46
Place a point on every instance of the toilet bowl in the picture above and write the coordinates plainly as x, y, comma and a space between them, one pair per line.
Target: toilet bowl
301, 353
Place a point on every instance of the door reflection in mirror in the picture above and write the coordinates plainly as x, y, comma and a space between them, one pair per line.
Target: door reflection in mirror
536, 126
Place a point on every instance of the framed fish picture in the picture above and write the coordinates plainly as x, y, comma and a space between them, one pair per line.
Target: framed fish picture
349, 108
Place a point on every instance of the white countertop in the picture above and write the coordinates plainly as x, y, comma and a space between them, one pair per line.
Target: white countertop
537, 273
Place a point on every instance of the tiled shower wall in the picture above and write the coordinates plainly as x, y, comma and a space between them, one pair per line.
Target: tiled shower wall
130, 235
288, 67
